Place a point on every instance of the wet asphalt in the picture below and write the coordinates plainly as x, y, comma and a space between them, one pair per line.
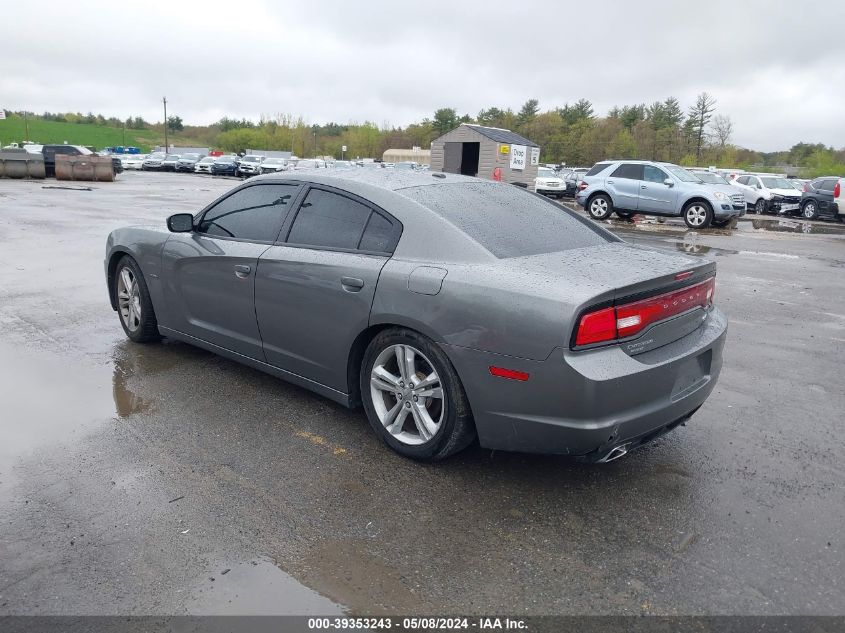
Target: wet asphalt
162, 479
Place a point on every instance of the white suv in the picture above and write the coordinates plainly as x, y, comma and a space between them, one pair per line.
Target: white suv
548, 183
768, 194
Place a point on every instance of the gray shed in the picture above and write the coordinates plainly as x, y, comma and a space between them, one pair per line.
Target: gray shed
476, 150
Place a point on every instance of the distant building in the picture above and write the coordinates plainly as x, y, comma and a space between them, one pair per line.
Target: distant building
267, 153
487, 152
416, 155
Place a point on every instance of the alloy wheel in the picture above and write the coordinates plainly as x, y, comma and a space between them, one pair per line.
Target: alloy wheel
809, 210
407, 394
598, 207
696, 215
129, 299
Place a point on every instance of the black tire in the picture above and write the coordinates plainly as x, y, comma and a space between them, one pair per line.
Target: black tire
600, 206
760, 207
457, 429
693, 217
147, 329
810, 210
625, 215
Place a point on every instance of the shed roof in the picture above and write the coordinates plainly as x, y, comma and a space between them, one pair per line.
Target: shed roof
501, 135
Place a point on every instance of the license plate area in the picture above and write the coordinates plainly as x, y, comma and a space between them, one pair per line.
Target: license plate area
691, 375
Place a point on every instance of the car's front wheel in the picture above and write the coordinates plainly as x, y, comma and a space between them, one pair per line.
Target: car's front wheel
810, 210
698, 215
760, 207
134, 306
600, 207
413, 396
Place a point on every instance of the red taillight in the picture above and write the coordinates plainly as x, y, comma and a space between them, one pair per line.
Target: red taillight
582, 185
626, 320
806, 186
836, 189
597, 326
511, 374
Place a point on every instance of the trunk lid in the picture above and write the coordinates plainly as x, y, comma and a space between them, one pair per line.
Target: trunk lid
618, 274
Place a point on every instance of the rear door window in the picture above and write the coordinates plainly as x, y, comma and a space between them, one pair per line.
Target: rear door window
254, 213
380, 235
630, 171
827, 185
329, 220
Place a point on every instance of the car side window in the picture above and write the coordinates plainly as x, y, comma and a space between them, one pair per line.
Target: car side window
827, 184
630, 171
253, 213
742, 180
329, 220
380, 234
653, 174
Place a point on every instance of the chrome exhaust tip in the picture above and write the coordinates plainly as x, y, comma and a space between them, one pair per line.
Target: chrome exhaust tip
615, 453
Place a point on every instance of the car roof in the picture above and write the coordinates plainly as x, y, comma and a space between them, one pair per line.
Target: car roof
369, 178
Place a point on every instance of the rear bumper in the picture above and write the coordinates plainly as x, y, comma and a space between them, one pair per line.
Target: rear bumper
586, 403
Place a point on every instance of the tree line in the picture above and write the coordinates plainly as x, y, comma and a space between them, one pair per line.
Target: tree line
572, 134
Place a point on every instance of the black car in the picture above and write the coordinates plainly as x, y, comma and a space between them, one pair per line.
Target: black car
817, 199
571, 179
224, 166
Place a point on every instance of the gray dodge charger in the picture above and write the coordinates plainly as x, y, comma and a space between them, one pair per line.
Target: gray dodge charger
449, 307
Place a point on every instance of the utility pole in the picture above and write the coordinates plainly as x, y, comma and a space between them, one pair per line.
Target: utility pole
166, 146
26, 125
124, 135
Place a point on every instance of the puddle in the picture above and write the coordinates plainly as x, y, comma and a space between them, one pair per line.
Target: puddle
47, 399
785, 225
257, 587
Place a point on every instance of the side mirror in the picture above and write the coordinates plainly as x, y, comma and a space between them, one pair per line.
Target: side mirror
668, 182
180, 223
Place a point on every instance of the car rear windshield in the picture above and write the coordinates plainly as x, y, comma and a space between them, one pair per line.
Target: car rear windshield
507, 220
597, 169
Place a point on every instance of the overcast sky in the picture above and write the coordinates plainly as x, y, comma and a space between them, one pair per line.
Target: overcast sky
775, 67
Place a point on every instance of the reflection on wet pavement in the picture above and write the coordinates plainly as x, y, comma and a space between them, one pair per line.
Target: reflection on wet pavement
256, 587
41, 402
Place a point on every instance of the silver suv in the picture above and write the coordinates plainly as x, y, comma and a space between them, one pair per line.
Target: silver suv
629, 187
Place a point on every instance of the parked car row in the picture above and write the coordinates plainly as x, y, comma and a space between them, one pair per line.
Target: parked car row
702, 197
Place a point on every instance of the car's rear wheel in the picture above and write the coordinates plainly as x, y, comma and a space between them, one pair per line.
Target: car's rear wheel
600, 207
413, 396
698, 215
134, 306
760, 207
810, 210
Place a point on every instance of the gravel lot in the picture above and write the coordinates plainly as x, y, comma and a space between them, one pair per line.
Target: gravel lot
132, 476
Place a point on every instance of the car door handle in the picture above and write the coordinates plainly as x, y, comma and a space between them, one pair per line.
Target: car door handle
643, 186
242, 271
610, 182
351, 284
